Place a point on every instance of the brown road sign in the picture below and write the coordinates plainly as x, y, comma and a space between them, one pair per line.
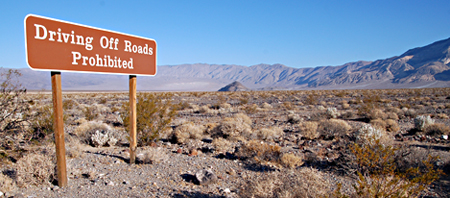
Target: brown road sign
56, 45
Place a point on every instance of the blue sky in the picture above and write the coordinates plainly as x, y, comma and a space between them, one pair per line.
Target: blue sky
293, 33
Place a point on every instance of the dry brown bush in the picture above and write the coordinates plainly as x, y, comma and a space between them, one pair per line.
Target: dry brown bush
392, 125
236, 127
293, 118
153, 156
392, 116
187, 130
442, 116
260, 152
86, 130
290, 160
306, 182
6, 183
269, 134
266, 106
333, 128
376, 114
309, 130
378, 123
437, 129
35, 169
221, 145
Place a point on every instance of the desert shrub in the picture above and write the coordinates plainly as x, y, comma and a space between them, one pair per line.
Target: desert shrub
6, 183
293, 118
96, 134
392, 116
69, 104
43, 122
90, 113
437, 129
308, 130
266, 106
376, 114
442, 116
288, 105
154, 114
370, 135
378, 123
35, 169
290, 160
221, 145
332, 112
311, 99
251, 109
409, 112
306, 182
235, 127
187, 131
421, 122
204, 109
333, 128
260, 152
269, 134
152, 156
14, 107
243, 101
392, 125
345, 106
378, 175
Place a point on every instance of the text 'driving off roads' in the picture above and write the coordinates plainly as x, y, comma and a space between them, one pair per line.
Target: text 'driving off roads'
57, 45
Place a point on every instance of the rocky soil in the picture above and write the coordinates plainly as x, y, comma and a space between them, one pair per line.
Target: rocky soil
196, 168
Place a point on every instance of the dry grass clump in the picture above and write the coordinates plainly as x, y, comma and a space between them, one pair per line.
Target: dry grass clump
260, 152
6, 183
376, 114
290, 160
442, 116
187, 130
35, 169
437, 129
392, 125
236, 127
221, 145
266, 106
306, 182
269, 134
308, 130
332, 128
153, 156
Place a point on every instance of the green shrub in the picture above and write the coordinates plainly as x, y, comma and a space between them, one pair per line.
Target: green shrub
379, 176
154, 114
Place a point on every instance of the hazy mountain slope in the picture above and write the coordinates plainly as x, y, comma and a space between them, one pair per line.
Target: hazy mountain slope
427, 66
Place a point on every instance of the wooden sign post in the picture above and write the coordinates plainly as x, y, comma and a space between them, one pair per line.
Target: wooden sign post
58, 126
133, 118
55, 45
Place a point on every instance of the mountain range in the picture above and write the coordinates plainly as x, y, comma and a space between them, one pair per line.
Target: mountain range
427, 66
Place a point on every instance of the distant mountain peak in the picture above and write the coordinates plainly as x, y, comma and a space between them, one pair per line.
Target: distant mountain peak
234, 86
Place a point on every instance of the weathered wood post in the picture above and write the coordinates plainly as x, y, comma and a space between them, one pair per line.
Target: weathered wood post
133, 118
58, 126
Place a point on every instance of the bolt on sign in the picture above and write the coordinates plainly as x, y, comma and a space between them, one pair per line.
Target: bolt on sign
56, 45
